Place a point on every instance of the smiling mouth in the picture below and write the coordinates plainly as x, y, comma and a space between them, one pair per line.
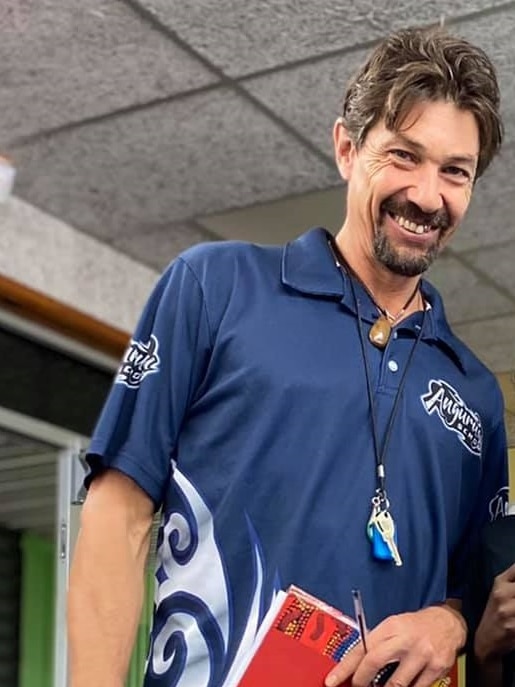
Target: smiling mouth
410, 226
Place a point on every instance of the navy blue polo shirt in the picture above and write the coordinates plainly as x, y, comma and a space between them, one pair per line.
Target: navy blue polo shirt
240, 408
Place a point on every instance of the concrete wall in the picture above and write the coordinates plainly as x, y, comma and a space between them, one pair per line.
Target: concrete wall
49, 256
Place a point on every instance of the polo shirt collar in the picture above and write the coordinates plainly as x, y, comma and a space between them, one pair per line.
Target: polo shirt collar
308, 267
439, 329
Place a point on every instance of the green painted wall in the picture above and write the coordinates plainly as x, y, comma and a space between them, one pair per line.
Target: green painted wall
37, 617
37, 612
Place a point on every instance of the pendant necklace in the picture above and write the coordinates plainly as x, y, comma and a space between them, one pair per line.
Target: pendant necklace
380, 332
381, 529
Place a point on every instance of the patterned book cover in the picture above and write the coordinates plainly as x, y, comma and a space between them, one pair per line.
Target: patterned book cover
301, 644
316, 625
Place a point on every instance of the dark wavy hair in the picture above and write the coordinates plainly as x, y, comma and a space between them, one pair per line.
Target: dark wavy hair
425, 64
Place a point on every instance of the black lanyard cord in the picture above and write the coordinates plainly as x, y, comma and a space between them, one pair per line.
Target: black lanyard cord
380, 455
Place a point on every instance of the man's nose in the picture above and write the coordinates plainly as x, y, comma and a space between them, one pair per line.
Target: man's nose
426, 191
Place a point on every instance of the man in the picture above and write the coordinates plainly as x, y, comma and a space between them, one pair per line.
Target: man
304, 414
490, 608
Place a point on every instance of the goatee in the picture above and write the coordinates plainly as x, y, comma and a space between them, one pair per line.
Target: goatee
403, 261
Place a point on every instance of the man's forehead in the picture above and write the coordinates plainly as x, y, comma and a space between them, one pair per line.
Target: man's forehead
462, 143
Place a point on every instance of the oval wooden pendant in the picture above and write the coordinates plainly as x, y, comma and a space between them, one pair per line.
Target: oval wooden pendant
380, 332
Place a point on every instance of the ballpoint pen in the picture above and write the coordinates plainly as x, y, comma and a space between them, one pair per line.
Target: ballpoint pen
359, 613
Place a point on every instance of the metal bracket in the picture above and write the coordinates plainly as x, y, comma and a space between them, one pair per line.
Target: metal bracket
79, 470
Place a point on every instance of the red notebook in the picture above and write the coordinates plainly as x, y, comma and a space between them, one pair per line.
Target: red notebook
299, 641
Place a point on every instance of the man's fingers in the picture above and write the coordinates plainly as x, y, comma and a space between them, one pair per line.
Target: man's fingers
426, 678
389, 651
346, 667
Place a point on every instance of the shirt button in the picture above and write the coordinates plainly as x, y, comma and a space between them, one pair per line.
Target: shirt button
392, 366
395, 335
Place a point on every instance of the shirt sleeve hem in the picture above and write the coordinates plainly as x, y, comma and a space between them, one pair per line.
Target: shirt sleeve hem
126, 464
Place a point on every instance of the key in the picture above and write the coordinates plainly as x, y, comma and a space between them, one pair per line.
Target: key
386, 528
371, 520
379, 503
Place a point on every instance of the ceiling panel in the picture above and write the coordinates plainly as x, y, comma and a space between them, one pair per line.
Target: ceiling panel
492, 341
157, 246
494, 33
191, 157
309, 97
64, 61
489, 220
282, 220
243, 37
498, 263
467, 297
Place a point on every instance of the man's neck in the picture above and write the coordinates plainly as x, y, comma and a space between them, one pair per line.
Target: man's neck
389, 290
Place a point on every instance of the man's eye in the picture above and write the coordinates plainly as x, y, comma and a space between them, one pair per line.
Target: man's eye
457, 172
403, 155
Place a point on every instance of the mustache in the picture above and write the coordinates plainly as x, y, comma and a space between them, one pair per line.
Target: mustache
439, 219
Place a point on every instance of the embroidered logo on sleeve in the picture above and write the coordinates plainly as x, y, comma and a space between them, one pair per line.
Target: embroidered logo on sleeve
442, 399
499, 506
140, 360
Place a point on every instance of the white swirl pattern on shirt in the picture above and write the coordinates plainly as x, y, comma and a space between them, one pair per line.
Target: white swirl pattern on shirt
196, 572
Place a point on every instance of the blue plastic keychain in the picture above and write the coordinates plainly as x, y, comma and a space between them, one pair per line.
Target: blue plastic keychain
381, 530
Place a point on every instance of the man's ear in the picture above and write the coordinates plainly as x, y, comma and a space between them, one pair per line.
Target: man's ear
344, 149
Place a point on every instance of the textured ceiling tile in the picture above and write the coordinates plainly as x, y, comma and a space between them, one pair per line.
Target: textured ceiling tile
492, 341
489, 219
309, 97
157, 247
242, 37
281, 220
199, 155
498, 262
68, 61
466, 296
495, 35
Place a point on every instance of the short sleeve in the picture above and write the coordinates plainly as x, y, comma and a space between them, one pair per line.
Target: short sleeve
490, 504
159, 375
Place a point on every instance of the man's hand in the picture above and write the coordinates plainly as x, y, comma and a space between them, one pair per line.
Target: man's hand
425, 645
495, 635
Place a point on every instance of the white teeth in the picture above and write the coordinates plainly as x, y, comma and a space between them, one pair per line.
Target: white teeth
411, 226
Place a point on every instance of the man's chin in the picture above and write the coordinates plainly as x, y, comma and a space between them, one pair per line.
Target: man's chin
407, 268
404, 261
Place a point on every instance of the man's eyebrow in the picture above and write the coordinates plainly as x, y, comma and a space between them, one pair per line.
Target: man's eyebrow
419, 148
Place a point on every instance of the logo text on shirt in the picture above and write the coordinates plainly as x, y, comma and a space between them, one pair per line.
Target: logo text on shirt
140, 359
443, 399
499, 506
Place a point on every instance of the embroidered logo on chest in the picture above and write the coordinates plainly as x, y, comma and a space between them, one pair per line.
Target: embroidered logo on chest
444, 400
140, 359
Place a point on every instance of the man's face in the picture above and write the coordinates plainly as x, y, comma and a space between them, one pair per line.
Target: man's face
408, 190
